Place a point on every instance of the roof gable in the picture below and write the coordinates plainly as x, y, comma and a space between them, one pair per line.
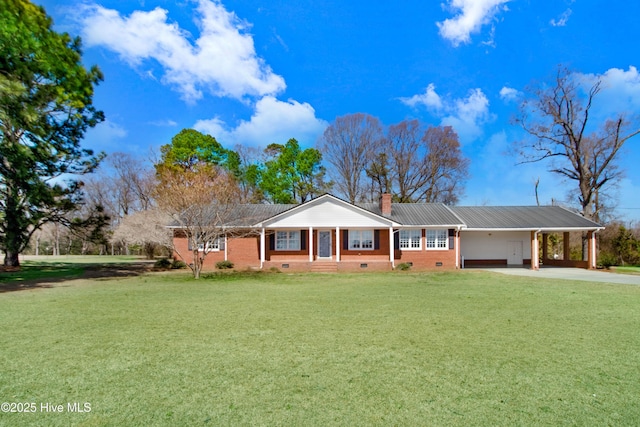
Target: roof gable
327, 211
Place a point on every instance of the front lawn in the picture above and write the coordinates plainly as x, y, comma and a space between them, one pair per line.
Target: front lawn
457, 348
635, 270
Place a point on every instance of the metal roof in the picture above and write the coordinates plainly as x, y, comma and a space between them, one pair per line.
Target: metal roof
251, 214
521, 217
439, 215
422, 214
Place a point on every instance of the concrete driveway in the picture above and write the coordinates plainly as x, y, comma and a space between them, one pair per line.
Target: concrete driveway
571, 274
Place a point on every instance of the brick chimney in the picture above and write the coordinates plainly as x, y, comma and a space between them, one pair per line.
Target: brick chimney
385, 204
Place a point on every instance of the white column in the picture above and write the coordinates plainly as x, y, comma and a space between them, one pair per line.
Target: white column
338, 246
456, 241
262, 248
391, 248
310, 244
226, 254
592, 250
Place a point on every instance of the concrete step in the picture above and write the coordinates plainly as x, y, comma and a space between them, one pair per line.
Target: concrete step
324, 267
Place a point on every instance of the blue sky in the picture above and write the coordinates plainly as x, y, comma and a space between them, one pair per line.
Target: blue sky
253, 73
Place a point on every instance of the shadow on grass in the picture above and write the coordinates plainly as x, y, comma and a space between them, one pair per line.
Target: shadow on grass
33, 276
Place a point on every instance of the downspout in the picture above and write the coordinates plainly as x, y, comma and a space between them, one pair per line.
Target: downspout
593, 248
262, 247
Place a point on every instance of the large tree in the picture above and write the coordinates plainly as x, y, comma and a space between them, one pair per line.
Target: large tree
45, 109
419, 165
349, 145
557, 119
291, 174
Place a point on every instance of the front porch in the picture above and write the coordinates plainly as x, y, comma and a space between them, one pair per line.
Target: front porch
327, 249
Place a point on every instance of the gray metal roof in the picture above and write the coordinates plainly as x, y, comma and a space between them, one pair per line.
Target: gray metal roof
439, 215
521, 217
251, 214
422, 214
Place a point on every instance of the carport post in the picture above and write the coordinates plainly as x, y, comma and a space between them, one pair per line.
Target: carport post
535, 257
592, 249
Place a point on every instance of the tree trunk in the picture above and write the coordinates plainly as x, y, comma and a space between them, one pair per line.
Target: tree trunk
12, 235
11, 259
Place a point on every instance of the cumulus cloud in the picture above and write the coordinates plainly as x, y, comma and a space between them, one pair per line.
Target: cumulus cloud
471, 16
465, 115
562, 19
429, 99
619, 92
221, 60
272, 121
509, 94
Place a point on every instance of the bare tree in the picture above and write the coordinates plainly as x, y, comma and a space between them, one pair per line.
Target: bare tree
146, 228
557, 117
349, 145
446, 168
420, 165
201, 201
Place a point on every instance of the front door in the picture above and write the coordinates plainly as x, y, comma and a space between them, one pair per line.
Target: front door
324, 244
514, 252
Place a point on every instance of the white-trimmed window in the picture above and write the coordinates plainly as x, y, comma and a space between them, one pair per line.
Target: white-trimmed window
437, 239
288, 240
212, 246
411, 239
361, 240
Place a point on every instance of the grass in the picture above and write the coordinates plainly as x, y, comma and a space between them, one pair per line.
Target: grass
635, 270
456, 348
59, 268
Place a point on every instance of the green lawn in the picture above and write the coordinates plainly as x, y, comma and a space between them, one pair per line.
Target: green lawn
627, 269
459, 348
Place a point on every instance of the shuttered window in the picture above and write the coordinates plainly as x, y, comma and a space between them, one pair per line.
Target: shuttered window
288, 240
410, 239
361, 240
437, 239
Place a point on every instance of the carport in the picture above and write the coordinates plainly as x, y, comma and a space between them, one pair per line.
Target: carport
496, 236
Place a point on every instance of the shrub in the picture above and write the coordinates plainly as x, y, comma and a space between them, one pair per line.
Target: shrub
222, 265
403, 267
163, 263
177, 264
607, 259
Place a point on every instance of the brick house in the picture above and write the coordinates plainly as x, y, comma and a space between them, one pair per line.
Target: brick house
330, 234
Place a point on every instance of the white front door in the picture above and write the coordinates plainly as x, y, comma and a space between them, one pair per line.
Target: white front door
324, 244
514, 252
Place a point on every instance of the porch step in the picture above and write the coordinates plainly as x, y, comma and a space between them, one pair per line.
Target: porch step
324, 267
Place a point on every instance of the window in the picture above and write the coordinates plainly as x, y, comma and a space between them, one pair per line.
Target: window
288, 240
361, 239
437, 239
211, 245
411, 239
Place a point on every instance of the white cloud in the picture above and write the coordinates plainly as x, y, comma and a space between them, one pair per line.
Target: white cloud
472, 15
222, 60
619, 94
273, 121
429, 98
465, 115
164, 123
509, 93
562, 19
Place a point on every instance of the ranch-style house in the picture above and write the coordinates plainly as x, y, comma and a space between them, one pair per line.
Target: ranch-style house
331, 234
